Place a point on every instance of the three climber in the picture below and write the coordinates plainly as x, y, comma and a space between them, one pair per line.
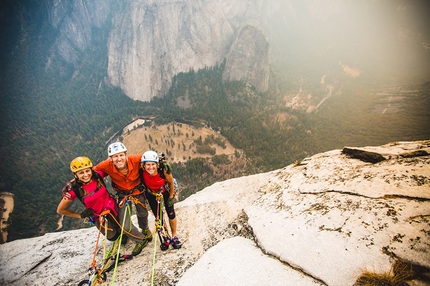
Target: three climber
135, 179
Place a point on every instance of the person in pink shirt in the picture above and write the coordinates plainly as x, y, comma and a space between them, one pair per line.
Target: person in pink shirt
89, 188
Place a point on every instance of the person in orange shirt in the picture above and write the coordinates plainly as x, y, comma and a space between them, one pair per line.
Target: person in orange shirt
123, 170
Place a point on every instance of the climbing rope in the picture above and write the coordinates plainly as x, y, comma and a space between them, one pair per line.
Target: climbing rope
160, 229
120, 238
98, 274
153, 261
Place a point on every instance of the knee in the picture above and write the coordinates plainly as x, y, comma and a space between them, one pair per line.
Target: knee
171, 214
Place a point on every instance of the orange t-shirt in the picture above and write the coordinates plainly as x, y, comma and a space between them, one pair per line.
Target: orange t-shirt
123, 182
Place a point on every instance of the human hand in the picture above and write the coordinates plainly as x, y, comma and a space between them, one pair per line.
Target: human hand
87, 213
67, 196
66, 191
171, 202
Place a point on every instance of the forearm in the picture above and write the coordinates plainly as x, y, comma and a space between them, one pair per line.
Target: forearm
69, 213
62, 209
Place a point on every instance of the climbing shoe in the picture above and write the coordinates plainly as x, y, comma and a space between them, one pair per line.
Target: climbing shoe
124, 240
175, 243
148, 234
138, 248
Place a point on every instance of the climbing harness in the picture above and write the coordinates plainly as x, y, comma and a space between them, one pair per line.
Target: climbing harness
131, 197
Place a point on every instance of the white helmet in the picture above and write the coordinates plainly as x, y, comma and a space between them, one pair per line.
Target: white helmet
149, 156
116, 148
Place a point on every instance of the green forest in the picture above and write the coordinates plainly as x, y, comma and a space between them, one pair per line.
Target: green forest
51, 115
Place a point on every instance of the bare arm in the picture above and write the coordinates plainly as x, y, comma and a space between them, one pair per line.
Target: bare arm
62, 209
169, 178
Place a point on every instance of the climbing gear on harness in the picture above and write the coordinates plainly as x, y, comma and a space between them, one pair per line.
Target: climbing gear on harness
90, 220
162, 234
130, 196
116, 148
148, 234
87, 213
161, 228
80, 163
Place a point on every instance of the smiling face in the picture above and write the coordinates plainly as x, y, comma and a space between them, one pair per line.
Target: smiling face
84, 175
119, 160
151, 168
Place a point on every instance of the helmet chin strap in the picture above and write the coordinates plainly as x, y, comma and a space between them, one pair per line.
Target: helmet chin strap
77, 180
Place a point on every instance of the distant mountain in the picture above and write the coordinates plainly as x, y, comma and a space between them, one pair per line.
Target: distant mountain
152, 41
325, 220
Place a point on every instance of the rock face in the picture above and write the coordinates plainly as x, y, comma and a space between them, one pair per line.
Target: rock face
6, 208
154, 40
322, 221
248, 59
75, 20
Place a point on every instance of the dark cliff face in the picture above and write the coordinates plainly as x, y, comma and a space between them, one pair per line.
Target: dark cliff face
75, 21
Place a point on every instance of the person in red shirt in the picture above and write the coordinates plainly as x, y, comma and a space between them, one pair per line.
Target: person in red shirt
163, 184
89, 187
123, 170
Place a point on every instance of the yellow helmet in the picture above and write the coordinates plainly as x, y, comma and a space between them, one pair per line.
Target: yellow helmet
80, 163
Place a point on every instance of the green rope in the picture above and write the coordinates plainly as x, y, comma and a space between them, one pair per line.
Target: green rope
120, 239
153, 261
160, 221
